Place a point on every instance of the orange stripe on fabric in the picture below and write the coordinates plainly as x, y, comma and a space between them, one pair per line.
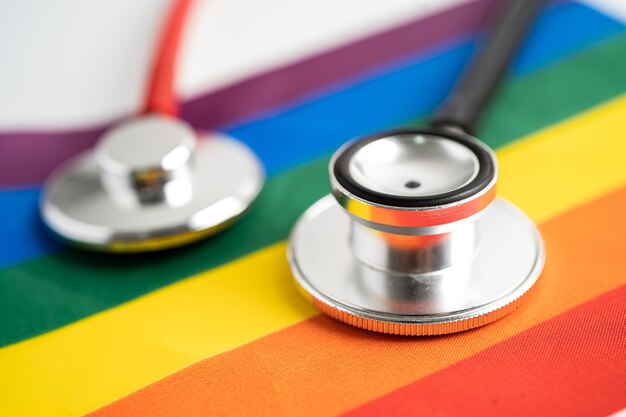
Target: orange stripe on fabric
289, 372
574, 364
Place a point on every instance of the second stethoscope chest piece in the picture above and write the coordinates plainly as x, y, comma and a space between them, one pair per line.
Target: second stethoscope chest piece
150, 184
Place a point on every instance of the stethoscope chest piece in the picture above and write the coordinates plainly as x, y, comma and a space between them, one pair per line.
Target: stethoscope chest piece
149, 185
413, 240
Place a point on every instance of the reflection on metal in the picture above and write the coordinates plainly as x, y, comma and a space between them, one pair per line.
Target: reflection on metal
150, 185
430, 269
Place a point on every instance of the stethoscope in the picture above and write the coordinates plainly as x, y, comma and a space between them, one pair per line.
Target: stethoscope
150, 184
413, 239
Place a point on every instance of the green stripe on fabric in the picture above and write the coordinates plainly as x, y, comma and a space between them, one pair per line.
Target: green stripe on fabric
556, 92
49, 292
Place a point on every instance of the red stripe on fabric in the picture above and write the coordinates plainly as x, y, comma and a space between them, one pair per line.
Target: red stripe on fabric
572, 365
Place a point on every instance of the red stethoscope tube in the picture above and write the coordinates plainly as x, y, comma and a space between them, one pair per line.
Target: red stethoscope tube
161, 97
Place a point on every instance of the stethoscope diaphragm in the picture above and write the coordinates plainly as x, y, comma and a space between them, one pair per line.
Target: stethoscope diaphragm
443, 255
150, 184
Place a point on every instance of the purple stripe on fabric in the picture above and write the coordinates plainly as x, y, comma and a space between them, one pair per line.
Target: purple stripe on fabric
26, 158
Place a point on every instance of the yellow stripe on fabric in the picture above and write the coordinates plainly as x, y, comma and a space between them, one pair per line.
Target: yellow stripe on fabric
95, 361
101, 358
568, 164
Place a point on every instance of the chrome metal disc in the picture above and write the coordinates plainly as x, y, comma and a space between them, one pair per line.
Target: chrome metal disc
205, 186
508, 260
397, 165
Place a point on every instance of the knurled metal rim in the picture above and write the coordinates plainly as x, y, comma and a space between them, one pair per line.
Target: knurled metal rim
370, 317
414, 329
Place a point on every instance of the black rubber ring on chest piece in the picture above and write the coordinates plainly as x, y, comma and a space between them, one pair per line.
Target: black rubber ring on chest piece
486, 171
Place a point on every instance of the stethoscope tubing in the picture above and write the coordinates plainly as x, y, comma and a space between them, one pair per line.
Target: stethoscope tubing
508, 29
161, 96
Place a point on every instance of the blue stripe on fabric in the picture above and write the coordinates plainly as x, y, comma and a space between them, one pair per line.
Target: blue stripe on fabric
402, 91
22, 235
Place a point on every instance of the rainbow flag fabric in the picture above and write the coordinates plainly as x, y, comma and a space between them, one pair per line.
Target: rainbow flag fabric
217, 328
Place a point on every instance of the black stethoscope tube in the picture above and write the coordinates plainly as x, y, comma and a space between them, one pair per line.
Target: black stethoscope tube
469, 98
